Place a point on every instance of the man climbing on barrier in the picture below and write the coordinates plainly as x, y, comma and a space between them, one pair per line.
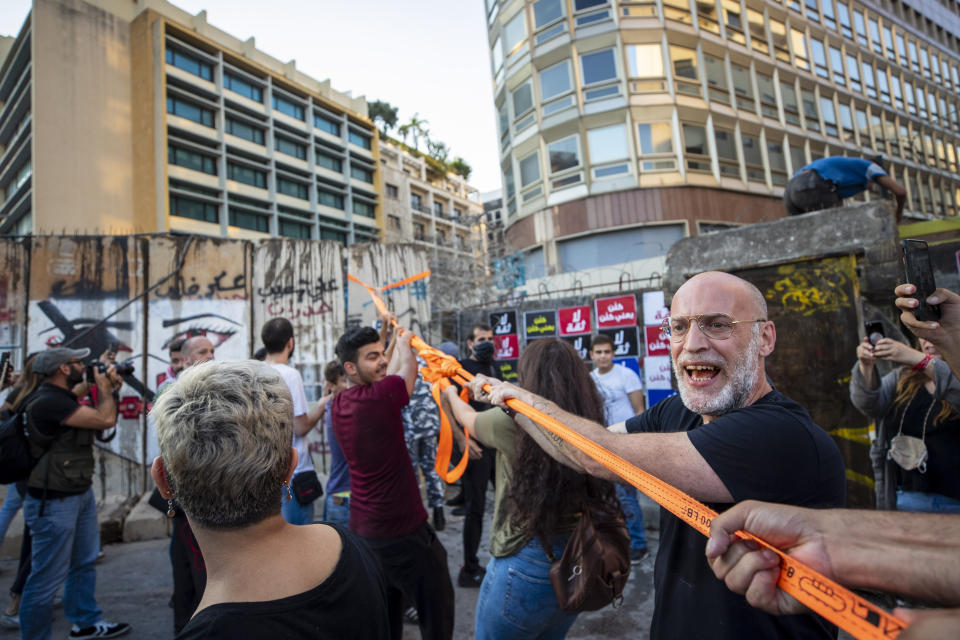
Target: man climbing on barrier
728, 436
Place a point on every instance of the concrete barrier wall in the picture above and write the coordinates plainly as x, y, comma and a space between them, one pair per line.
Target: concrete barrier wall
54, 290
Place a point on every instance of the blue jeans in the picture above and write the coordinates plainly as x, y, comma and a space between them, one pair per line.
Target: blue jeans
516, 598
336, 513
295, 513
66, 540
11, 504
634, 514
927, 502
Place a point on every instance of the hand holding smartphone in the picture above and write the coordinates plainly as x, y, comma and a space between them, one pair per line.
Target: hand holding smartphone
874, 331
919, 272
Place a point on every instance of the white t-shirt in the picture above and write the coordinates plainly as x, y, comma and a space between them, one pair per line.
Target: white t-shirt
614, 385
295, 383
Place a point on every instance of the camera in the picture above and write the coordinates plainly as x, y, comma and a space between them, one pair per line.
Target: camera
123, 368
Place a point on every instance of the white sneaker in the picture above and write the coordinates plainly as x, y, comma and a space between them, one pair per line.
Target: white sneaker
9, 622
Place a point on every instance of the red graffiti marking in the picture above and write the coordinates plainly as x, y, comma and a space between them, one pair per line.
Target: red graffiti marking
130, 407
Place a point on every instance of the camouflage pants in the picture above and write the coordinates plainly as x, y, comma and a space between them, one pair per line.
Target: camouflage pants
423, 454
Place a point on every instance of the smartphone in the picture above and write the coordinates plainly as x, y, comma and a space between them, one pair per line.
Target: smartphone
873, 331
919, 272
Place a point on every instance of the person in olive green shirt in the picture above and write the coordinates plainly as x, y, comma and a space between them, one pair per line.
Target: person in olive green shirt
537, 499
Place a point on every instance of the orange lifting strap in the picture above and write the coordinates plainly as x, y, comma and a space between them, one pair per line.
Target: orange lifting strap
820, 594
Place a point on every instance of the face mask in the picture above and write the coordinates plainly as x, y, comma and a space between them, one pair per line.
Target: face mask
483, 351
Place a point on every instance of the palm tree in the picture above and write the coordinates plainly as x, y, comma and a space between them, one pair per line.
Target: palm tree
418, 128
460, 167
404, 131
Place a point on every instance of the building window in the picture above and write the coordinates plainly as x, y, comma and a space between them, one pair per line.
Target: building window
914, 63
533, 263
908, 95
678, 10
768, 95
359, 139
289, 147
843, 13
243, 130
836, 65
695, 148
861, 27
191, 160
819, 58
829, 17
897, 92
189, 63
656, 139
716, 79
555, 81
685, 70
546, 13
791, 109
883, 85
869, 82
726, 152
902, 49
288, 107
888, 41
564, 154
241, 87
523, 105
293, 229
797, 157
734, 21
329, 162
853, 72
599, 66
925, 62
246, 175
194, 209
364, 175
778, 163
326, 124
753, 158
328, 199
758, 31
743, 87
812, 12
778, 31
608, 145
829, 116
875, 41
392, 191
394, 222
189, 110
292, 188
846, 122
514, 32
438, 209
529, 169
810, 110
249, 220
363, 208
416, 201
801, 58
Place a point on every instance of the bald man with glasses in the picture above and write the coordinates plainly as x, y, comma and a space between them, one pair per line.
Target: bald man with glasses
728, 436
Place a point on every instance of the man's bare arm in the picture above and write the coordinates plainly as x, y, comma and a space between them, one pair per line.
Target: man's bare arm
636, 401
912, 554
104, 416
669, 456
403, 363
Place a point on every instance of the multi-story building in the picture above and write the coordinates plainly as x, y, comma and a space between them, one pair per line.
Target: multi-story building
628, 124
139, 117
433, 208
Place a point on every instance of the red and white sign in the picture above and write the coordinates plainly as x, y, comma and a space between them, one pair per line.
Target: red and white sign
656, 372
619, 311
657, 343
574, 321
506, 347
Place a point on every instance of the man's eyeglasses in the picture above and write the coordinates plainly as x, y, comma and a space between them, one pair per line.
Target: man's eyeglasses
717, 326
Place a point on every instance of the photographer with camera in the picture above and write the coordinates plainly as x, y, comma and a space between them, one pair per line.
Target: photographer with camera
917, 411
60, 508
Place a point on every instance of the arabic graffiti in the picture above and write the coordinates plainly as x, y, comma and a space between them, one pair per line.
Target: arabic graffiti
312, 291
179, 289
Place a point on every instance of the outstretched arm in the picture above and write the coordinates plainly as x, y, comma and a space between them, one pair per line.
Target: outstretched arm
898, 191
403, 363
915, 555
669, 456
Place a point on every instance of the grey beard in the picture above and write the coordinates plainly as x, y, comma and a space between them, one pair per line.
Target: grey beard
734, 395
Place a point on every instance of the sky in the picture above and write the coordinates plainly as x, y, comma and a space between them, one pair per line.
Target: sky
428, 57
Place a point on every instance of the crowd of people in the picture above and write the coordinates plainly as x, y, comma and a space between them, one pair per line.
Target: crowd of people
236, 476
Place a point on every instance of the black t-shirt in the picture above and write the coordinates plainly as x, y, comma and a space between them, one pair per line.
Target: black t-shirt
49, 406
350, 603
768, 451
943, 447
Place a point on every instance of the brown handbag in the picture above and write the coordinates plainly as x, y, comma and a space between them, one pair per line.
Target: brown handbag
595, 564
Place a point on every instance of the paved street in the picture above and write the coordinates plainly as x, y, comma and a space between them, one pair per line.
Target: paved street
134, 585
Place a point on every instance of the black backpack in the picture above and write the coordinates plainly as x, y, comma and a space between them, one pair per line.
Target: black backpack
16, 463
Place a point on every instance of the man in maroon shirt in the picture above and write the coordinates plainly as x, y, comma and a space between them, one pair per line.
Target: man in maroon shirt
385, 505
